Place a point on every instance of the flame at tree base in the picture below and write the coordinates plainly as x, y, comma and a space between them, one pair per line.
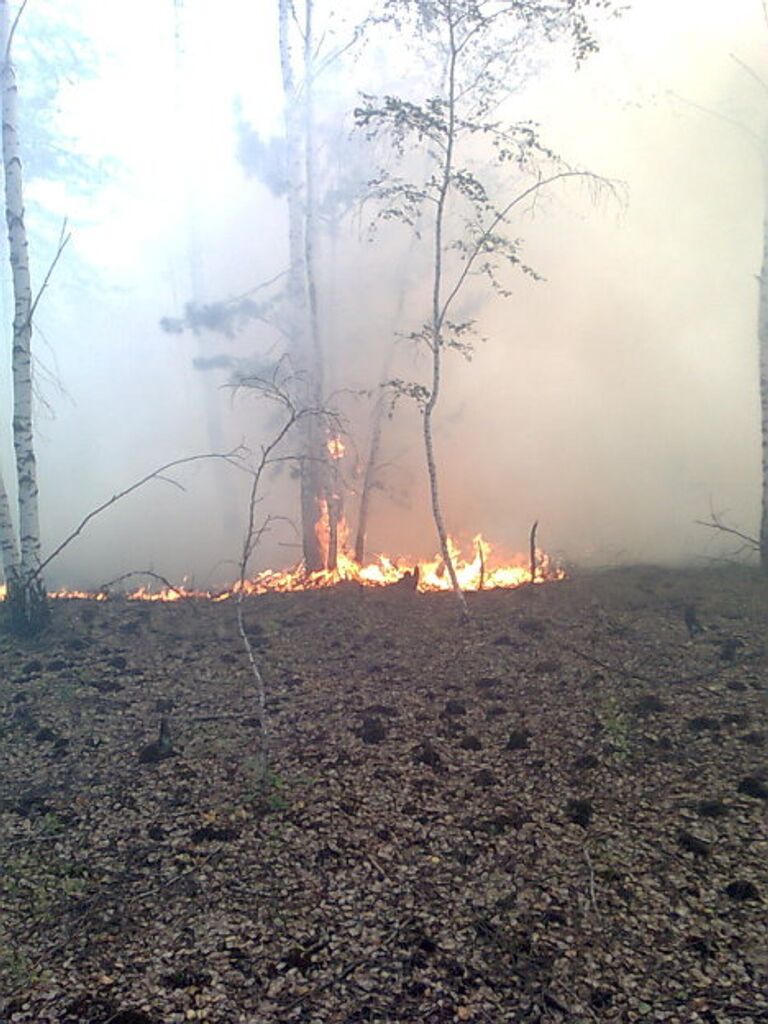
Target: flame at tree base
484, 571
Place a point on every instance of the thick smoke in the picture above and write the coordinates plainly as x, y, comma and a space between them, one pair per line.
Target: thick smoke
615, 401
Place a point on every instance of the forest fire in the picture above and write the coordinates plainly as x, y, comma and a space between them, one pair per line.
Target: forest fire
336, 448
484, 570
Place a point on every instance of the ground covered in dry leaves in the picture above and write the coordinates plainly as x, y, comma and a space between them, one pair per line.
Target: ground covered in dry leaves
557, 813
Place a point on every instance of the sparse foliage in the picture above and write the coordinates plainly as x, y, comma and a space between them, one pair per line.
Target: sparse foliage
475, 52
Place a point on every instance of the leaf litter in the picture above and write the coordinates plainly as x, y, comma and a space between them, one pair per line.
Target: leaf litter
557, 813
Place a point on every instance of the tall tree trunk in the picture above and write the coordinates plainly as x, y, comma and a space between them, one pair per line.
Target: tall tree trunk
369, 477
29, 599
311, 488
186, 126
762, 334
437, 328
324, 475
9, 549
377, 419
372, 461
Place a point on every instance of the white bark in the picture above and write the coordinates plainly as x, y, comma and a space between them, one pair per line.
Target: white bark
327, 480
438, 314
299, 326
23, 437
762, 334
9, 549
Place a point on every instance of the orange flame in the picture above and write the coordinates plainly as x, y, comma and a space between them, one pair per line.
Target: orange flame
482, 570
336, 448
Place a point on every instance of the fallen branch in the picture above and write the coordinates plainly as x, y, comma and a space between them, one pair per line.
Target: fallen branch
143, 572
592, 897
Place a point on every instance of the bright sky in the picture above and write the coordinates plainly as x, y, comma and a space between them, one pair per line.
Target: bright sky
164, 119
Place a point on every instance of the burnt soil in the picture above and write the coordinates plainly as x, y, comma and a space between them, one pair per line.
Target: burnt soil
556, 813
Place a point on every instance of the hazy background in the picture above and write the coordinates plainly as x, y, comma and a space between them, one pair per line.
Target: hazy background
616, 401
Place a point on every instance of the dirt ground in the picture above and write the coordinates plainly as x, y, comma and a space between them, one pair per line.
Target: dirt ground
557, 813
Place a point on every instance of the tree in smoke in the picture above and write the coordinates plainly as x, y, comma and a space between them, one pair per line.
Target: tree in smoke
25, 588
758, 142
475, 50
305, 344
302, 168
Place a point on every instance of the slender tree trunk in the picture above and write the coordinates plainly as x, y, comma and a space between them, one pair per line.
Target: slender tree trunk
369, 477
186, 125
437, 328
325, 478
311, 491
29, 604
9, 549
377, 422
372, 462
762, 335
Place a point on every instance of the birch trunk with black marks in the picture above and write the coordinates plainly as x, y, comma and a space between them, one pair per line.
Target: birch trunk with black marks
438, 316
299, 328
26, 594
9, 549
762, 335
326, 479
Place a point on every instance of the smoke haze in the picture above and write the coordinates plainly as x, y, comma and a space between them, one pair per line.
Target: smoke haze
616, 401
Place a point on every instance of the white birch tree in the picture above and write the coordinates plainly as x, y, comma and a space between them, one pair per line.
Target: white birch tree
474, 51
757, 139
762, 340
26, 594
303, 318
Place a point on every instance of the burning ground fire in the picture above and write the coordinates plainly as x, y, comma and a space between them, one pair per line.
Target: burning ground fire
484, 570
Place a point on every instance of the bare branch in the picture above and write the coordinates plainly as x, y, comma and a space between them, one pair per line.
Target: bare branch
751, 136
275, 389
500, 217
259, 287
64, 238
12, 33
750, 71
715, 523
334, 55
143, 572
230, 457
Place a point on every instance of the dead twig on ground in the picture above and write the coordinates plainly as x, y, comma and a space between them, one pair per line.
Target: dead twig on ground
591, 870
143, 572
532, 548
